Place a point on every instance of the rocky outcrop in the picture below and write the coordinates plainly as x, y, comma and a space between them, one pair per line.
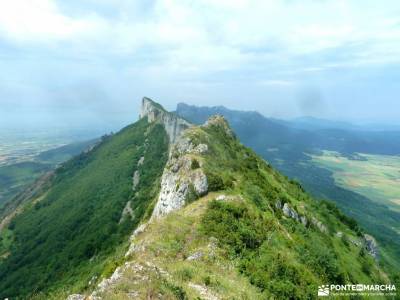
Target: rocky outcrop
76, 297
127, 211
319, 225
220, 122
290, 212
135, 179
174, 125
179, 179
371, 246
293, 214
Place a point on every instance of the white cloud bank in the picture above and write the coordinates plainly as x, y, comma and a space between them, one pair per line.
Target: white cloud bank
184, 49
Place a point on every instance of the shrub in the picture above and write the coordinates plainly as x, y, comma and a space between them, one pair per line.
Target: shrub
215, 182
195, 164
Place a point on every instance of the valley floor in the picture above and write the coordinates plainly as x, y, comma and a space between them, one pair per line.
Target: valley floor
376, 177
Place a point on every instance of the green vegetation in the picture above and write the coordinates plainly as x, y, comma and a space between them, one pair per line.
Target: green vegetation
286, 149
73, 233
246, 248
62, 154
15, 177
235, 242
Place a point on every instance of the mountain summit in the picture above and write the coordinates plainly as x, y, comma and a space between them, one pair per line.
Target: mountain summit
173, 124
168, 210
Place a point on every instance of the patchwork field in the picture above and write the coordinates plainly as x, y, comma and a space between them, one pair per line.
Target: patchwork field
374, 176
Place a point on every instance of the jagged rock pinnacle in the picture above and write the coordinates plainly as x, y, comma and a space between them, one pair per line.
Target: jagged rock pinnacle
173, 124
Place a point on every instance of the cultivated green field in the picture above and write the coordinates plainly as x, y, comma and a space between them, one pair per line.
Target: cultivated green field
374, 176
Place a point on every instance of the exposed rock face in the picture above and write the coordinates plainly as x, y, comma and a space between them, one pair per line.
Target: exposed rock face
278, 204
76, 297
127, 211
371, 246
141, 161
195, 256
135, 180
179, 179
205, 293
173, 124
319, 225
290, 212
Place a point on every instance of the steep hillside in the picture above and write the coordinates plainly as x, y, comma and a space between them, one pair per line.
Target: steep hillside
74, 228
226, 225
287, 149
16, 177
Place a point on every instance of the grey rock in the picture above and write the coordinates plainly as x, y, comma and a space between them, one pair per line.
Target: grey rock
75, 297
141, 161
200, 149
135, 180
221, 198
304, 220
204, 292
290, 212
371, 246
177, 177
174, 125
278, 204
127, 211
319, 225
195, 256
199, 181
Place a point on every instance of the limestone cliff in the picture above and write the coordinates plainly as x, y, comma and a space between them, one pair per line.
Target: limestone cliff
182, 177
173, 124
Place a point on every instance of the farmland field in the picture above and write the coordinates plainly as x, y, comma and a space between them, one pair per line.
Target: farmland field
376, 177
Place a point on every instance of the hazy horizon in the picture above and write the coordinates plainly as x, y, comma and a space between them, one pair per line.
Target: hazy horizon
89, 63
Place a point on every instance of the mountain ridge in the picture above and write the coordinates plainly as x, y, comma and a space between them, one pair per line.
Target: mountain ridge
208, 149
140, 217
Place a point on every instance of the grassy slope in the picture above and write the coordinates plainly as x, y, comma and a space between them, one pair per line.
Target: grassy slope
74, 232
250, 250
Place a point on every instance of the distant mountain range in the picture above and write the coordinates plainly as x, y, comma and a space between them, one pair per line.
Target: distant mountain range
312, 123
301, 135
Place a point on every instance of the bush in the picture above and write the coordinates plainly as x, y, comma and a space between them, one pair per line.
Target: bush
195, 164
215, 182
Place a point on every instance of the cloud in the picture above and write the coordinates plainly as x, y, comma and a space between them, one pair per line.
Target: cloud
182, 50
40, 20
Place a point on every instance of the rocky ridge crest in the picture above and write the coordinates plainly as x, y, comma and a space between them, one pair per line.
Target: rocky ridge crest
174, 125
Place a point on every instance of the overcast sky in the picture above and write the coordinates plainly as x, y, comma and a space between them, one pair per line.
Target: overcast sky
91, 61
